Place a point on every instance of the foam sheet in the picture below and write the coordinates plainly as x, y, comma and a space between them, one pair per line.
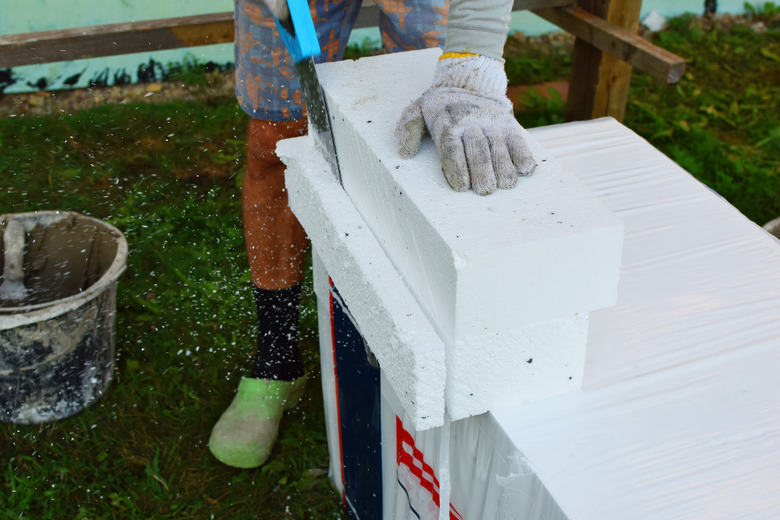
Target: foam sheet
404, 342
477, 265
507, 280
679, 416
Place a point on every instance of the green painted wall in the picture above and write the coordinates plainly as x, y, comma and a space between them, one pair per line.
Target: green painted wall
20, 16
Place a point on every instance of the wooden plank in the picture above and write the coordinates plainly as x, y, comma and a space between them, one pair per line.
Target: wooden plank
368, 16
115, 39
523, 5
617, 41
369, 12
153, 35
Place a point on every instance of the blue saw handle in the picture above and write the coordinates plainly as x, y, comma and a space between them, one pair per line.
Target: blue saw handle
303, 44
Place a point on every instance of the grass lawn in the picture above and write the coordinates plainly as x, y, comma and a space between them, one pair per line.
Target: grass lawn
721, 122
169, 177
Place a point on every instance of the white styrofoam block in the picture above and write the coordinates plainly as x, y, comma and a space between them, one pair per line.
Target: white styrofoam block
509, 368
679, 416
409, 350
542, 251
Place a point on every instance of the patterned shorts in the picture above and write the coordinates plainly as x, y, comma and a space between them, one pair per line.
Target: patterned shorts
266, 85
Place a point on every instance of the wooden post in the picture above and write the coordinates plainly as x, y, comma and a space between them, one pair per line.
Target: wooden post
600, 81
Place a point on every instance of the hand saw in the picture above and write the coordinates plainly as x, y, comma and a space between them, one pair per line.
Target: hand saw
300, 38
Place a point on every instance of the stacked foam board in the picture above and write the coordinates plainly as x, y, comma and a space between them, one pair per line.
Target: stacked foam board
390, 319
678, 417
500, 287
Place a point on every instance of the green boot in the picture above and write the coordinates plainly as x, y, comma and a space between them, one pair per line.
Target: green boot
246, 432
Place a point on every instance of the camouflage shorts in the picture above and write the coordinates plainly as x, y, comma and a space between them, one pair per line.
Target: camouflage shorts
266, 85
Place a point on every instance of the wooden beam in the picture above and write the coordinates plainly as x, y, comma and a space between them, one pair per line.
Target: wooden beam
368, 16
524, 5
115, 39
604, 79
617, 41
153, 35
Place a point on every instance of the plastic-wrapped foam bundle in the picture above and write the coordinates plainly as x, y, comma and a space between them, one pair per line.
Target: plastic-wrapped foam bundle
671, 411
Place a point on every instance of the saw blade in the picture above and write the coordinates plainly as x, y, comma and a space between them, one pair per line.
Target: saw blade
300, 37
317, 111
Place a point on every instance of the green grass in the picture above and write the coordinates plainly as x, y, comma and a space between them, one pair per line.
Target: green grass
532, 64
721, 122
169, 177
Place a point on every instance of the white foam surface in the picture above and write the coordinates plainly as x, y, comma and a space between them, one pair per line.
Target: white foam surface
679, 416
399, 334
542, 251
534, 362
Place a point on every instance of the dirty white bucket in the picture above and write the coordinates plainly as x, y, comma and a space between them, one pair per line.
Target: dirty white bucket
58, 277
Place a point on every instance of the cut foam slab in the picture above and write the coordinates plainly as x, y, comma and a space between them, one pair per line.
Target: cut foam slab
545, 250
534, 362
389, 318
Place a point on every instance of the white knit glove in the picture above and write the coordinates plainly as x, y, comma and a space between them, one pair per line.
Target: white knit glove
472, 123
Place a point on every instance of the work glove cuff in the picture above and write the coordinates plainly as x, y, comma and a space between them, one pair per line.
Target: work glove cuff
479, 75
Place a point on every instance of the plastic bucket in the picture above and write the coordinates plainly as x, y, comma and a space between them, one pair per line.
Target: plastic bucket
58, 277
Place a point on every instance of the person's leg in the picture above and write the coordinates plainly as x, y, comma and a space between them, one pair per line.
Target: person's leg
275, 241
276, 244
276, 247
269, 93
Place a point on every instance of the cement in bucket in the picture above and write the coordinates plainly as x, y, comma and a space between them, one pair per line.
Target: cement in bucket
58, 276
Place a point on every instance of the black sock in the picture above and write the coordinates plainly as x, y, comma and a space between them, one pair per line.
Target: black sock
277, 342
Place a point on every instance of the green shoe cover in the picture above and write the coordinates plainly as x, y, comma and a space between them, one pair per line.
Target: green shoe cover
246, 432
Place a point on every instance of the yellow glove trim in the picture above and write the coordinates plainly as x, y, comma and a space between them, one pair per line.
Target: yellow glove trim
447, 55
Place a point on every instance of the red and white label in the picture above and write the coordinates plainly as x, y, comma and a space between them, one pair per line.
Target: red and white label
417, 477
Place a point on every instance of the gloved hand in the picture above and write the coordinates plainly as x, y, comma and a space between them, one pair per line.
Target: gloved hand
277, 7
472, 123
